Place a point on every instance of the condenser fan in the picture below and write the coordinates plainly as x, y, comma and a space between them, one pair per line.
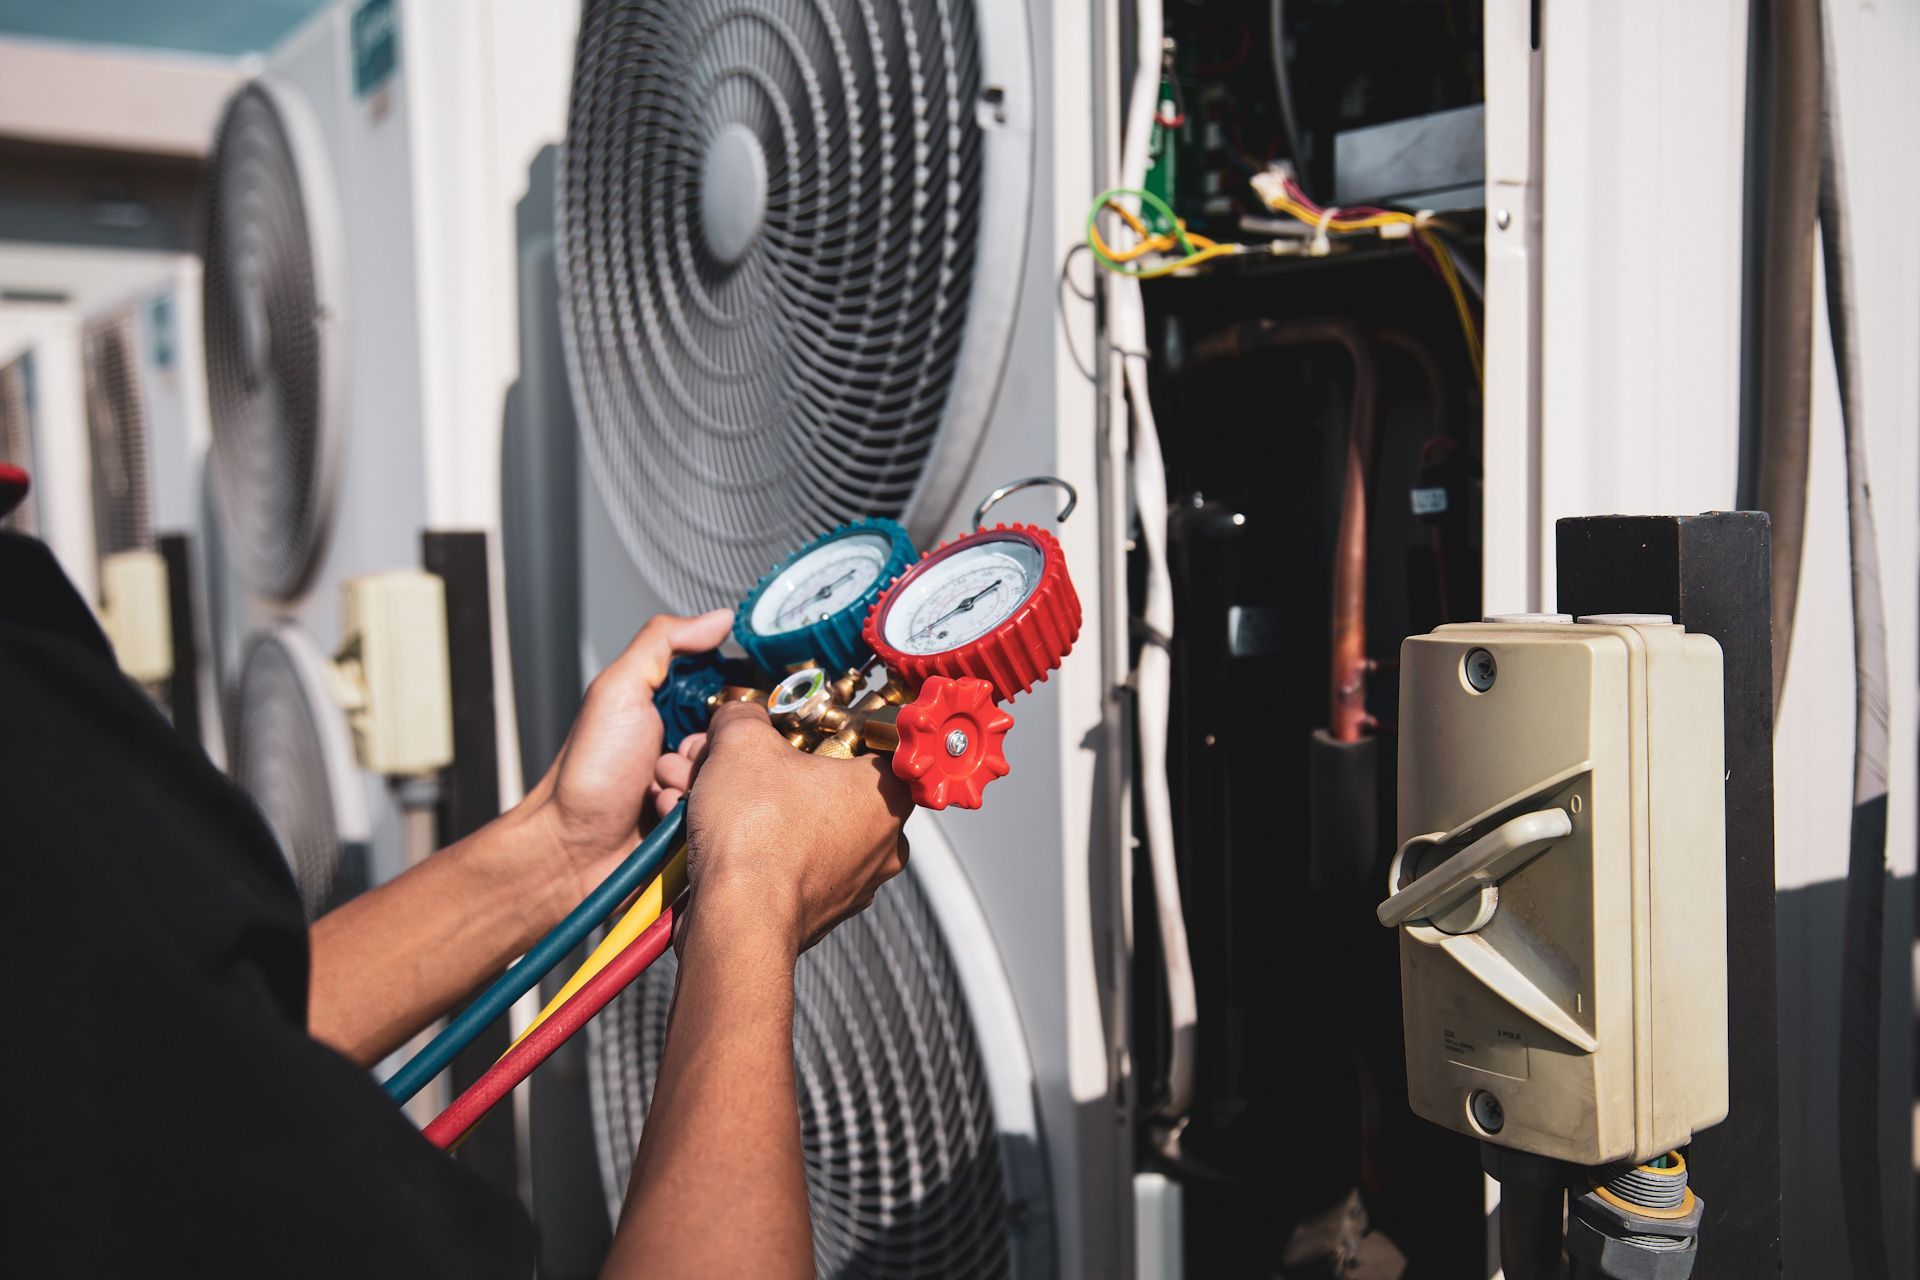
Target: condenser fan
271, 315
910, 1169
291, 754
791, 240
117, 426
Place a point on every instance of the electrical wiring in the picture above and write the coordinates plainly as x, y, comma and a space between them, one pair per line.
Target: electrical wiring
645, 910
520, 1061
1284, 195
642, 865
1196, 249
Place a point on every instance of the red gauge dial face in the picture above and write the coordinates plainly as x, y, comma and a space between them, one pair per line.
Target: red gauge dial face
955, 598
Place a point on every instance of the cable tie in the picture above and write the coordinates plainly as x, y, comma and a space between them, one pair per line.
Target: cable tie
1321, 246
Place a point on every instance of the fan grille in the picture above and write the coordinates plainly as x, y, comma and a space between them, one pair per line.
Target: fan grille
117, 426
263, 316
904, 1169
769, 220
279, 759
16, 438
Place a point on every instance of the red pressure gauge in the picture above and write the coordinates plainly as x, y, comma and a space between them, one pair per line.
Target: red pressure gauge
995, 604
974, 622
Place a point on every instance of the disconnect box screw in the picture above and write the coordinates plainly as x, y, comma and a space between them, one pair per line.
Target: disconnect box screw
1487, 1111
1481, 669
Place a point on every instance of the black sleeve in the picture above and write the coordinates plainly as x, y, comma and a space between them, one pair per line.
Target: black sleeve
162, 1110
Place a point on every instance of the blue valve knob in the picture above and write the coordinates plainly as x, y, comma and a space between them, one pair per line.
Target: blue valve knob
685, 700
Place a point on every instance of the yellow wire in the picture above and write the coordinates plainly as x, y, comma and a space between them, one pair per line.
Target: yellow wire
1461, 306
1150, 243
646, 908
1207, 254
1442, 258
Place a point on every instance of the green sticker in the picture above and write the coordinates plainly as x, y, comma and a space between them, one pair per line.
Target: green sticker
376, 46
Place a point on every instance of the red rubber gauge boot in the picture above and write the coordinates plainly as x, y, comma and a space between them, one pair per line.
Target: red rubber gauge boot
996, 605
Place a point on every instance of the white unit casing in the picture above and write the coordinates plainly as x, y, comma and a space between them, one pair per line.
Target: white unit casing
1560, 888
1613, 344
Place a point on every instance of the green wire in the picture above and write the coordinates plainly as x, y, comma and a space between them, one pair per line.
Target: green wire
1158, 205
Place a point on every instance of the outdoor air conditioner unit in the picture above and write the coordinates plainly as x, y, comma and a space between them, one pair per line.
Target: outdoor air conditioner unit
306, 343
147, 431
809, 273
359, 327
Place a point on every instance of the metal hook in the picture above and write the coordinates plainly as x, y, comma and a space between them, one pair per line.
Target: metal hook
1006, 490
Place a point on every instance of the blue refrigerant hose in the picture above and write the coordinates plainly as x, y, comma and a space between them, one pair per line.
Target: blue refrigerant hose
641, 866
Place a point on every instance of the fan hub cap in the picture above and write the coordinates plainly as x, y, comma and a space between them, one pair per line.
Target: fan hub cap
733, 193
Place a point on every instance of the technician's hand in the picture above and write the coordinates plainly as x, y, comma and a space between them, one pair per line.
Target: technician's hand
783, 838
591, 801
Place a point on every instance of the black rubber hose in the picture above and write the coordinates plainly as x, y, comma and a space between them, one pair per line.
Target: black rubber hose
1783, 381
1860, 1030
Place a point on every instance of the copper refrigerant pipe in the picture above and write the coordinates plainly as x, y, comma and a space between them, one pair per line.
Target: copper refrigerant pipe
1348, 676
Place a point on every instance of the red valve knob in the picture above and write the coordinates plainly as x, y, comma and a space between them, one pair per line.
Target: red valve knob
952, 742
1015, 653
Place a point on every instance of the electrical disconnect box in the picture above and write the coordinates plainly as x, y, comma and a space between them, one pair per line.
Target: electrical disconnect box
1560, 884
391, 671
136, 612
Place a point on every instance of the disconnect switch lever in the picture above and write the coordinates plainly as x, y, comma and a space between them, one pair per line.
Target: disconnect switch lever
1459, 896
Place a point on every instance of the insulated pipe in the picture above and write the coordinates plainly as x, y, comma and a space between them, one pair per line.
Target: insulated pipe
1417, 351
1865, 921
1785, 376
1153, 685
1348, 711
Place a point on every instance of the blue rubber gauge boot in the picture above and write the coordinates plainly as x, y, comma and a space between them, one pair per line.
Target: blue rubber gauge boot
684, 701
810, 607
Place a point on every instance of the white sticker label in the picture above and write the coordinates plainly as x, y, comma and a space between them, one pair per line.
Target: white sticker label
1500, 1050
1431, 501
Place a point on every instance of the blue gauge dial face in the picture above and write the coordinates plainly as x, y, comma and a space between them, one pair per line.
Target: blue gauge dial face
958, 598
820, 583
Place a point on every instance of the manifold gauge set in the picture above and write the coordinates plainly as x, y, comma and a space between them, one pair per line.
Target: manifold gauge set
854, 645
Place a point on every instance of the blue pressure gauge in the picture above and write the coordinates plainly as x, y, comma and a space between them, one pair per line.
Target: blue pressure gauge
810, 607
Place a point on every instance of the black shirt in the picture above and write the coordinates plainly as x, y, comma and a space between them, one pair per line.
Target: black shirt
162, 1110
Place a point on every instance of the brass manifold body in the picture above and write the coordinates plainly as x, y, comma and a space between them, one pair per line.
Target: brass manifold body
835, 719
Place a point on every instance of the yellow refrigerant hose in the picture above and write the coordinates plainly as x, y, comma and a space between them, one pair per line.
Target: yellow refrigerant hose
645, 910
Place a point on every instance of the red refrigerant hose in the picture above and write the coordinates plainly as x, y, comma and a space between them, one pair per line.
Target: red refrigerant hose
470, 1107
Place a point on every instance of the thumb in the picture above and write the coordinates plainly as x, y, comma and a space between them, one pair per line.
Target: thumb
646, 658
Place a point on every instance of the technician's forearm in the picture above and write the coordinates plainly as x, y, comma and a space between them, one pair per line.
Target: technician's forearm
396, 957
719, 1185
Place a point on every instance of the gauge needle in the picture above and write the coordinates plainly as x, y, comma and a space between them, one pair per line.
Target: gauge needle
821, 594
960, 608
